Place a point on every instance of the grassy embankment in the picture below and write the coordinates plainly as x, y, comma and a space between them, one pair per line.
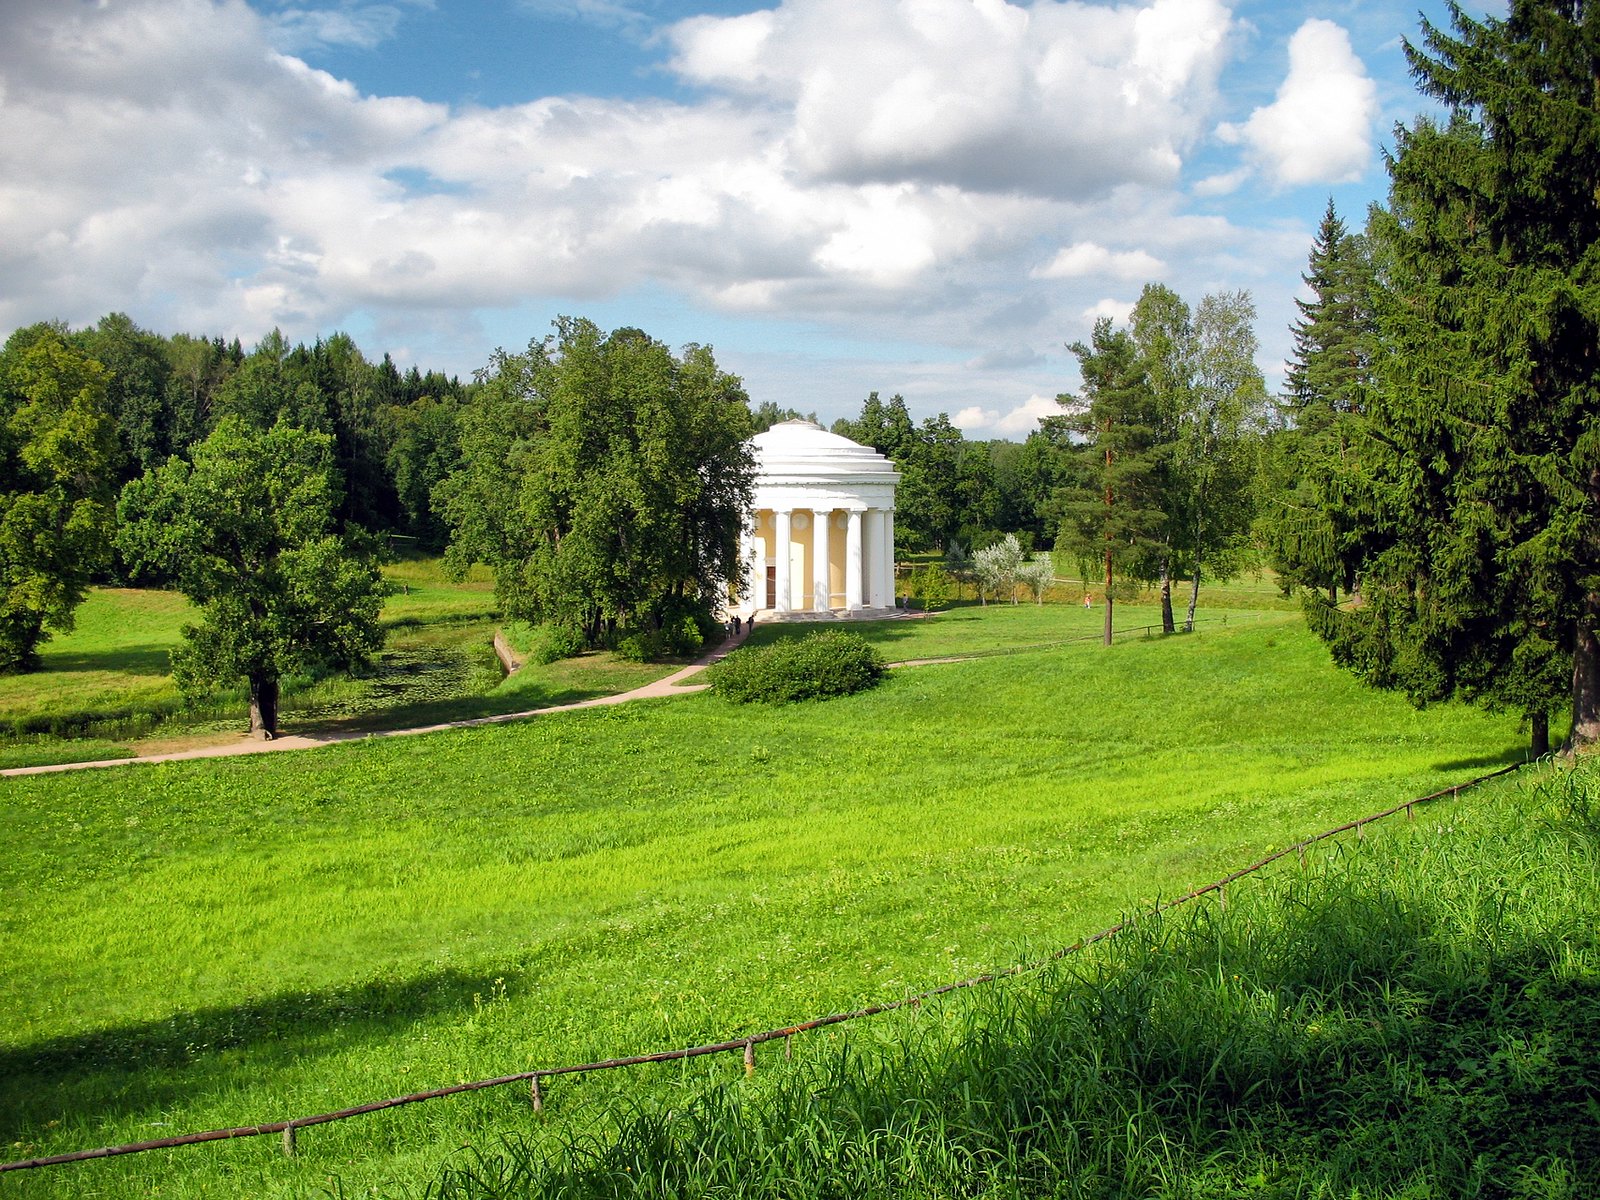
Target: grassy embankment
1413, 1016
105, 691
205, 944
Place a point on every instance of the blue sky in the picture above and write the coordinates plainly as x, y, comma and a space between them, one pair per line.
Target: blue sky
929, 197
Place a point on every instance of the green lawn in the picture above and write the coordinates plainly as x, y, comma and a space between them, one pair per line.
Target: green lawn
970, 628
105, 691
212, 943
1414, 1013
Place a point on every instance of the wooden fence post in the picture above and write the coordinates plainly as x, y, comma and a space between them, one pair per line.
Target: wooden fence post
535, 1096
749, 1059
288, 1140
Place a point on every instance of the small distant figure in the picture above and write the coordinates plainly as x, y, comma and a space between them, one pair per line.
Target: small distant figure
750, 622
736, 625
1088, 600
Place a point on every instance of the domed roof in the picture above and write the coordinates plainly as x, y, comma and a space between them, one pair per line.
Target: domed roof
804, 449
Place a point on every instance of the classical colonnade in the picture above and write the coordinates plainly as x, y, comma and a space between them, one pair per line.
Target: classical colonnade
815, 559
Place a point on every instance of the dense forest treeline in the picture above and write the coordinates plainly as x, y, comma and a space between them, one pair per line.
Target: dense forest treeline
568, 467
394, 432
397, 434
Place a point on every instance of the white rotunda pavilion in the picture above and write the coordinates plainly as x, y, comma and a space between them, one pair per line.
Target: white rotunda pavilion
821, 538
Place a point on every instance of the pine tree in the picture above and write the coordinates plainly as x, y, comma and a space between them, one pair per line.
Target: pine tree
1481, 568
1111, 516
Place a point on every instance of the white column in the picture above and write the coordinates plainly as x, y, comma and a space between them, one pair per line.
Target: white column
852, 562
821, 597
780, 556
888, 556
874, 558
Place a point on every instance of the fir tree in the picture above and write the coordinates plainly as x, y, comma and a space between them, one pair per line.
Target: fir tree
1310, 480
1481, 572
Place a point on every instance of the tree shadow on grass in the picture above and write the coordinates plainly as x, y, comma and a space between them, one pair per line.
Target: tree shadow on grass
150, 659
1485, 762
154, 1065
421, 714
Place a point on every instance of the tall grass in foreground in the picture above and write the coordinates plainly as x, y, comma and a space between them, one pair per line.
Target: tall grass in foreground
1418, 1016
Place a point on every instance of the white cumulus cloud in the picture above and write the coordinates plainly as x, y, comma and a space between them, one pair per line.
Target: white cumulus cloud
975, 417
1319, 128
1090, 259
884, 172
1018, 422
1025, 418
1120, 311
1059, 99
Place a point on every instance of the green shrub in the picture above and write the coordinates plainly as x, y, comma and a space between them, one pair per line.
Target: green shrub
678, 639
638, 647
932, 586
551, 643
827, 663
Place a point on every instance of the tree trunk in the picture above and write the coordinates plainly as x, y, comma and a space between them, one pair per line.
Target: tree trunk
1110, 499
1167, 625
1194, 598
1108, 598
264, 706
1540, 741
1586, 679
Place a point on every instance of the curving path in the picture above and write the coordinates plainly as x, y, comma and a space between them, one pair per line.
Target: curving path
671, 685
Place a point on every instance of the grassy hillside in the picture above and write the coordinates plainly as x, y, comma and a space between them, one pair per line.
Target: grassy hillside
105, 691
1411, 1016
210, 943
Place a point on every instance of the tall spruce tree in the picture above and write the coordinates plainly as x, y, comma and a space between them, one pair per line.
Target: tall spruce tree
1111, 517
1310, 479
1481, 575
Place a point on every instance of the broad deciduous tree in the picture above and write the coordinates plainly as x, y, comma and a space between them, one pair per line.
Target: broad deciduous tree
1207, 399
604, 479
58, 453
249, 531
998, 568
1212, 481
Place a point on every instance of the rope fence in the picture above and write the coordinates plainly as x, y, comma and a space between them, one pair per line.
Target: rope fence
746, 1044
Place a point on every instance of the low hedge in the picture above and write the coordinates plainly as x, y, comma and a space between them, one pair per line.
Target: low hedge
826, 663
